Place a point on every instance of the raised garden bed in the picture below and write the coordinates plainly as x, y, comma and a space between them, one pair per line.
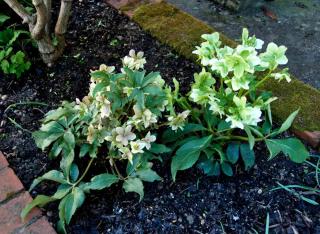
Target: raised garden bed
237, 205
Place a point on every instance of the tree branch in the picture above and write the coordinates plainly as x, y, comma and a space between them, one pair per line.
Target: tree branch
48, 4
64, 14
19, 10
38, 30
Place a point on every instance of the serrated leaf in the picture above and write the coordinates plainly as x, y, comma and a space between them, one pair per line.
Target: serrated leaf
148, 175
291, 147
40, 200
134, 185
69, 139
233, 152
44, 139
52, 175
73, 201
223, 126
247, 156
100, 182
62, 191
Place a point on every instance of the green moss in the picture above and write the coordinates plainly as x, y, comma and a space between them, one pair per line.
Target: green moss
183, 32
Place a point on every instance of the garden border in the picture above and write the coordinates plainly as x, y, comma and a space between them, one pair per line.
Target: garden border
182, 32
13, 198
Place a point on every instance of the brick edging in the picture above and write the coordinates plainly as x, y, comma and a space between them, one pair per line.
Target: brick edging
13, 198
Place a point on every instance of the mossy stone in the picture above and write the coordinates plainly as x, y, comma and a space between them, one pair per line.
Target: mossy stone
183, 32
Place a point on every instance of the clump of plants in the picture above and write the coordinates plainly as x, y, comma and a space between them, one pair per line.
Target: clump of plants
130, 118
12, 61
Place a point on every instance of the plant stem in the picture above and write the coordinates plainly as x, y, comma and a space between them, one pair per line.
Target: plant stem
260, 82
84, 173
116, 168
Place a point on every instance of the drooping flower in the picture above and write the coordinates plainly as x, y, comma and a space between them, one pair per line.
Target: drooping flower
238, 83
126, 153
283, 75
108, 69
148, 139
124, 135
91, 134
145, 116
215, 107
178, 121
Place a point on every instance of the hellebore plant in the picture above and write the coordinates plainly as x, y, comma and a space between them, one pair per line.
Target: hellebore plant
130, 118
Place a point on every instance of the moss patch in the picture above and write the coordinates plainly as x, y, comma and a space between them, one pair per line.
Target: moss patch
183, 32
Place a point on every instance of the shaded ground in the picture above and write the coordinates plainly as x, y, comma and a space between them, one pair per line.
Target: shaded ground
295, 24
98, 34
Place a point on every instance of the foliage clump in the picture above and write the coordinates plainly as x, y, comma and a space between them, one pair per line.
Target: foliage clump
130, 118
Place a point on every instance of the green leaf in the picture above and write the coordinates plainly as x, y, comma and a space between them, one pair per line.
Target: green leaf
40, 200
69, 139
148, 175
223, 126
287, 123
52, 175
84, 149
183, 162
233, 152
62, 216
44, 139
151, 77
74, 172
100, 182
247, 156
62, 191
3, 18
73, 201
226, 169
188, 154
159, 149
250, 137
134, 185
291, 147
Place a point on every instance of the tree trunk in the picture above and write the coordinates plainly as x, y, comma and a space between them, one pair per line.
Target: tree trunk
39, 26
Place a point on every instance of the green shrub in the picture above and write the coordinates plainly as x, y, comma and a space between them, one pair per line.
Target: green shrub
129, 119
11, 61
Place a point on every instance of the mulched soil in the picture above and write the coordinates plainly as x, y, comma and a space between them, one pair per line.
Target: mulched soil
195, 203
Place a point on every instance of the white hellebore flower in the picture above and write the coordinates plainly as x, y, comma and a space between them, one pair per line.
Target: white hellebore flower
145, 116
91, 133
124, 135
134, 61
238, 83
178, 121
235, 122
148, 139
108, 69
137, 146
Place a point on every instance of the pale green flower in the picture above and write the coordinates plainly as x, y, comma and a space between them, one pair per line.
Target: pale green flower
283, 75
251, 41
237, 64
124, 135
235, 121
213, 39
178, 121
215, 107
199, 96
204, 54
238, 83
219, 66
274, 55
249, 54
91, 134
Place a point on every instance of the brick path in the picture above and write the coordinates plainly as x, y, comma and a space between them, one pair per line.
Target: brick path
13, 198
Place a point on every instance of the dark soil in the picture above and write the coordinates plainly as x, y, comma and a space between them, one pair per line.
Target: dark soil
195, 203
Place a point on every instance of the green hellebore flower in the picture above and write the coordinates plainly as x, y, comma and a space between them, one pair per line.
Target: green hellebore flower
237, 64
274, 55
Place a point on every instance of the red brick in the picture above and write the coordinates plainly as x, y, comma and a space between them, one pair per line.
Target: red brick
313, 138
9, 184
3, 161
10, 213
41, 226
119, 3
